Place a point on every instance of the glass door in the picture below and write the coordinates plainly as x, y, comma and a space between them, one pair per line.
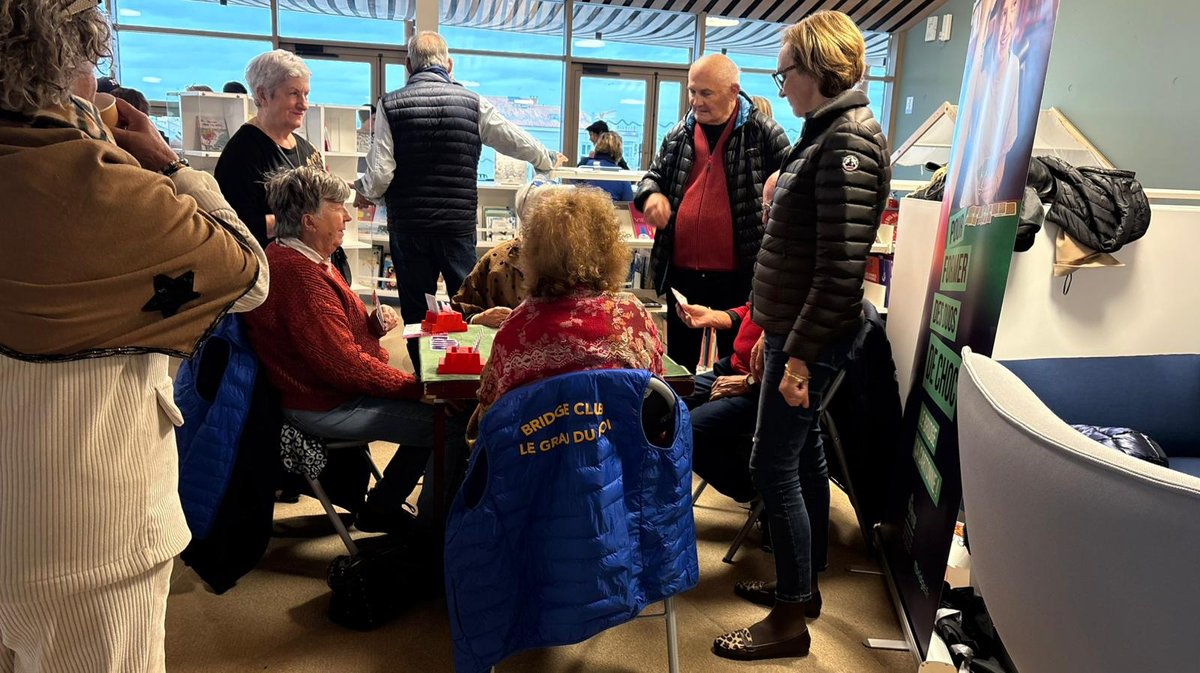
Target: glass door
634, 102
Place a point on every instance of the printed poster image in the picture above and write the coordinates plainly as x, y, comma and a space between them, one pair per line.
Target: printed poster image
989, 158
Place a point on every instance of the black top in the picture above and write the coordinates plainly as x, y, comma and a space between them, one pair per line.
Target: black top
245, 162
826, 210
712, 132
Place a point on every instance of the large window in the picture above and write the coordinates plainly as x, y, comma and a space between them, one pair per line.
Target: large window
528, 92
151, 62
325, 26
339, 82
627, 34
210, 15
526, 27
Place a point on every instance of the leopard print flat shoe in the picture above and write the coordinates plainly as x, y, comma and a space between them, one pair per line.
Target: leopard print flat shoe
740, 645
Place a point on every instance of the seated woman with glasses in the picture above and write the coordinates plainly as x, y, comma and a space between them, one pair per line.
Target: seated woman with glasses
573, 318
321, 348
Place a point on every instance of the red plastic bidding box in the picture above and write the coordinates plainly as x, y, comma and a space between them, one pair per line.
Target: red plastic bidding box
443, 322
461, 360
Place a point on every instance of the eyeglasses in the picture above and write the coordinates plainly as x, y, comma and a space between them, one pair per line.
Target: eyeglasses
781, 76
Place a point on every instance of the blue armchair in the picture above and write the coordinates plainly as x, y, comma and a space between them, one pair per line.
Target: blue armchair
1158, 395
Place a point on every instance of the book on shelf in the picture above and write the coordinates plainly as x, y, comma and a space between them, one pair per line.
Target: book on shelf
387, 272
510, 171
364, 214
639, 267
212, 133
368, 265
642, 230
500, 224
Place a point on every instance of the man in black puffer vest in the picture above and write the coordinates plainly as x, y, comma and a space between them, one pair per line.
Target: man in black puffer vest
424, 163
704, 195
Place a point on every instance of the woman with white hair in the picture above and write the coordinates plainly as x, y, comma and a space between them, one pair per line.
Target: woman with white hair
268, 142
114, 257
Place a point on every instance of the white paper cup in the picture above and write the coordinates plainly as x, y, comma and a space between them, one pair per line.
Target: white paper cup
106, 103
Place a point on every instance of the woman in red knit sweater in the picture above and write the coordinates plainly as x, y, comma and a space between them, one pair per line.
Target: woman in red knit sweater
321, 349
573, 318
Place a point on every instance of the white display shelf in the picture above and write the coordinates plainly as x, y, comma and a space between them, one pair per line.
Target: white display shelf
496, 186
597, 174
192, 154
355, 245
334, 127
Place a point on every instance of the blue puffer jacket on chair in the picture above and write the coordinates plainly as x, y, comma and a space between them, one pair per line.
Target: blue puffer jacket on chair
208, 439
569, 520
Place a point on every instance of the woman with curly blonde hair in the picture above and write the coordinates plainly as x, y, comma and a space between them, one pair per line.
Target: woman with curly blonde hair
114, 257
573, 319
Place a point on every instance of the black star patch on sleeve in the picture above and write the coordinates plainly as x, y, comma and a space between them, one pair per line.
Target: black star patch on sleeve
171, 293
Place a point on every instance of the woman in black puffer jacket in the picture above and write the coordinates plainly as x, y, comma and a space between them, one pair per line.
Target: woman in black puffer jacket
808, 299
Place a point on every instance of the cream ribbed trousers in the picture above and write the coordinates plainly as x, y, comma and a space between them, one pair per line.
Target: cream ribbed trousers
116, 628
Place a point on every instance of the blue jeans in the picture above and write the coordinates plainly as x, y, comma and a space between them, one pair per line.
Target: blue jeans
405, 422
721, 432
789, 470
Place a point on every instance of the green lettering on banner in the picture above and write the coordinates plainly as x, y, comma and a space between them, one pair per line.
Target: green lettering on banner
944, 317
928, 471
928, 427
957, 228
956, 264
941, 375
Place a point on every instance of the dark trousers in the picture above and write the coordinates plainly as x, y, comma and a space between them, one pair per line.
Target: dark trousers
722, 433
418, 260
715, 289
789, 469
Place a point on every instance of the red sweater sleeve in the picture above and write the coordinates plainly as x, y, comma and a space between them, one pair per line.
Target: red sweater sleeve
331, 352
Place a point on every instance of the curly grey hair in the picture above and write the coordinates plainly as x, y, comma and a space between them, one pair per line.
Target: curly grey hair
296, 192
44, 46
266, 72
427, 48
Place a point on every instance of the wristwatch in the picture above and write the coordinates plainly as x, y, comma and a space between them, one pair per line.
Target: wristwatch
750, 381
173, 167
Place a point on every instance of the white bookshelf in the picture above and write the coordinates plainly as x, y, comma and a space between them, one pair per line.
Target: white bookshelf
222, 113
335, 131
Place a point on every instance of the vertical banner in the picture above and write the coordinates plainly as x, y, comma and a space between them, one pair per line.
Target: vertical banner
993, 138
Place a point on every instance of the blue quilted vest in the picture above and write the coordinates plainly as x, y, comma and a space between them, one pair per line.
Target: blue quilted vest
569, 521
212, 429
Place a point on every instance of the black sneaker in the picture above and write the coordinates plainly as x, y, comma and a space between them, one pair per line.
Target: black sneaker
400, 520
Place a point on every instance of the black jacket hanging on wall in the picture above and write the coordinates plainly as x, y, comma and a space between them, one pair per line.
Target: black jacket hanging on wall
1101, 208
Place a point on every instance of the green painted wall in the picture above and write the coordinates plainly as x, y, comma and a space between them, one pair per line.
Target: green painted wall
1124, 72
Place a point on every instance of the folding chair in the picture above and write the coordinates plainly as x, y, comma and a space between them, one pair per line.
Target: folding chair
323, 498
